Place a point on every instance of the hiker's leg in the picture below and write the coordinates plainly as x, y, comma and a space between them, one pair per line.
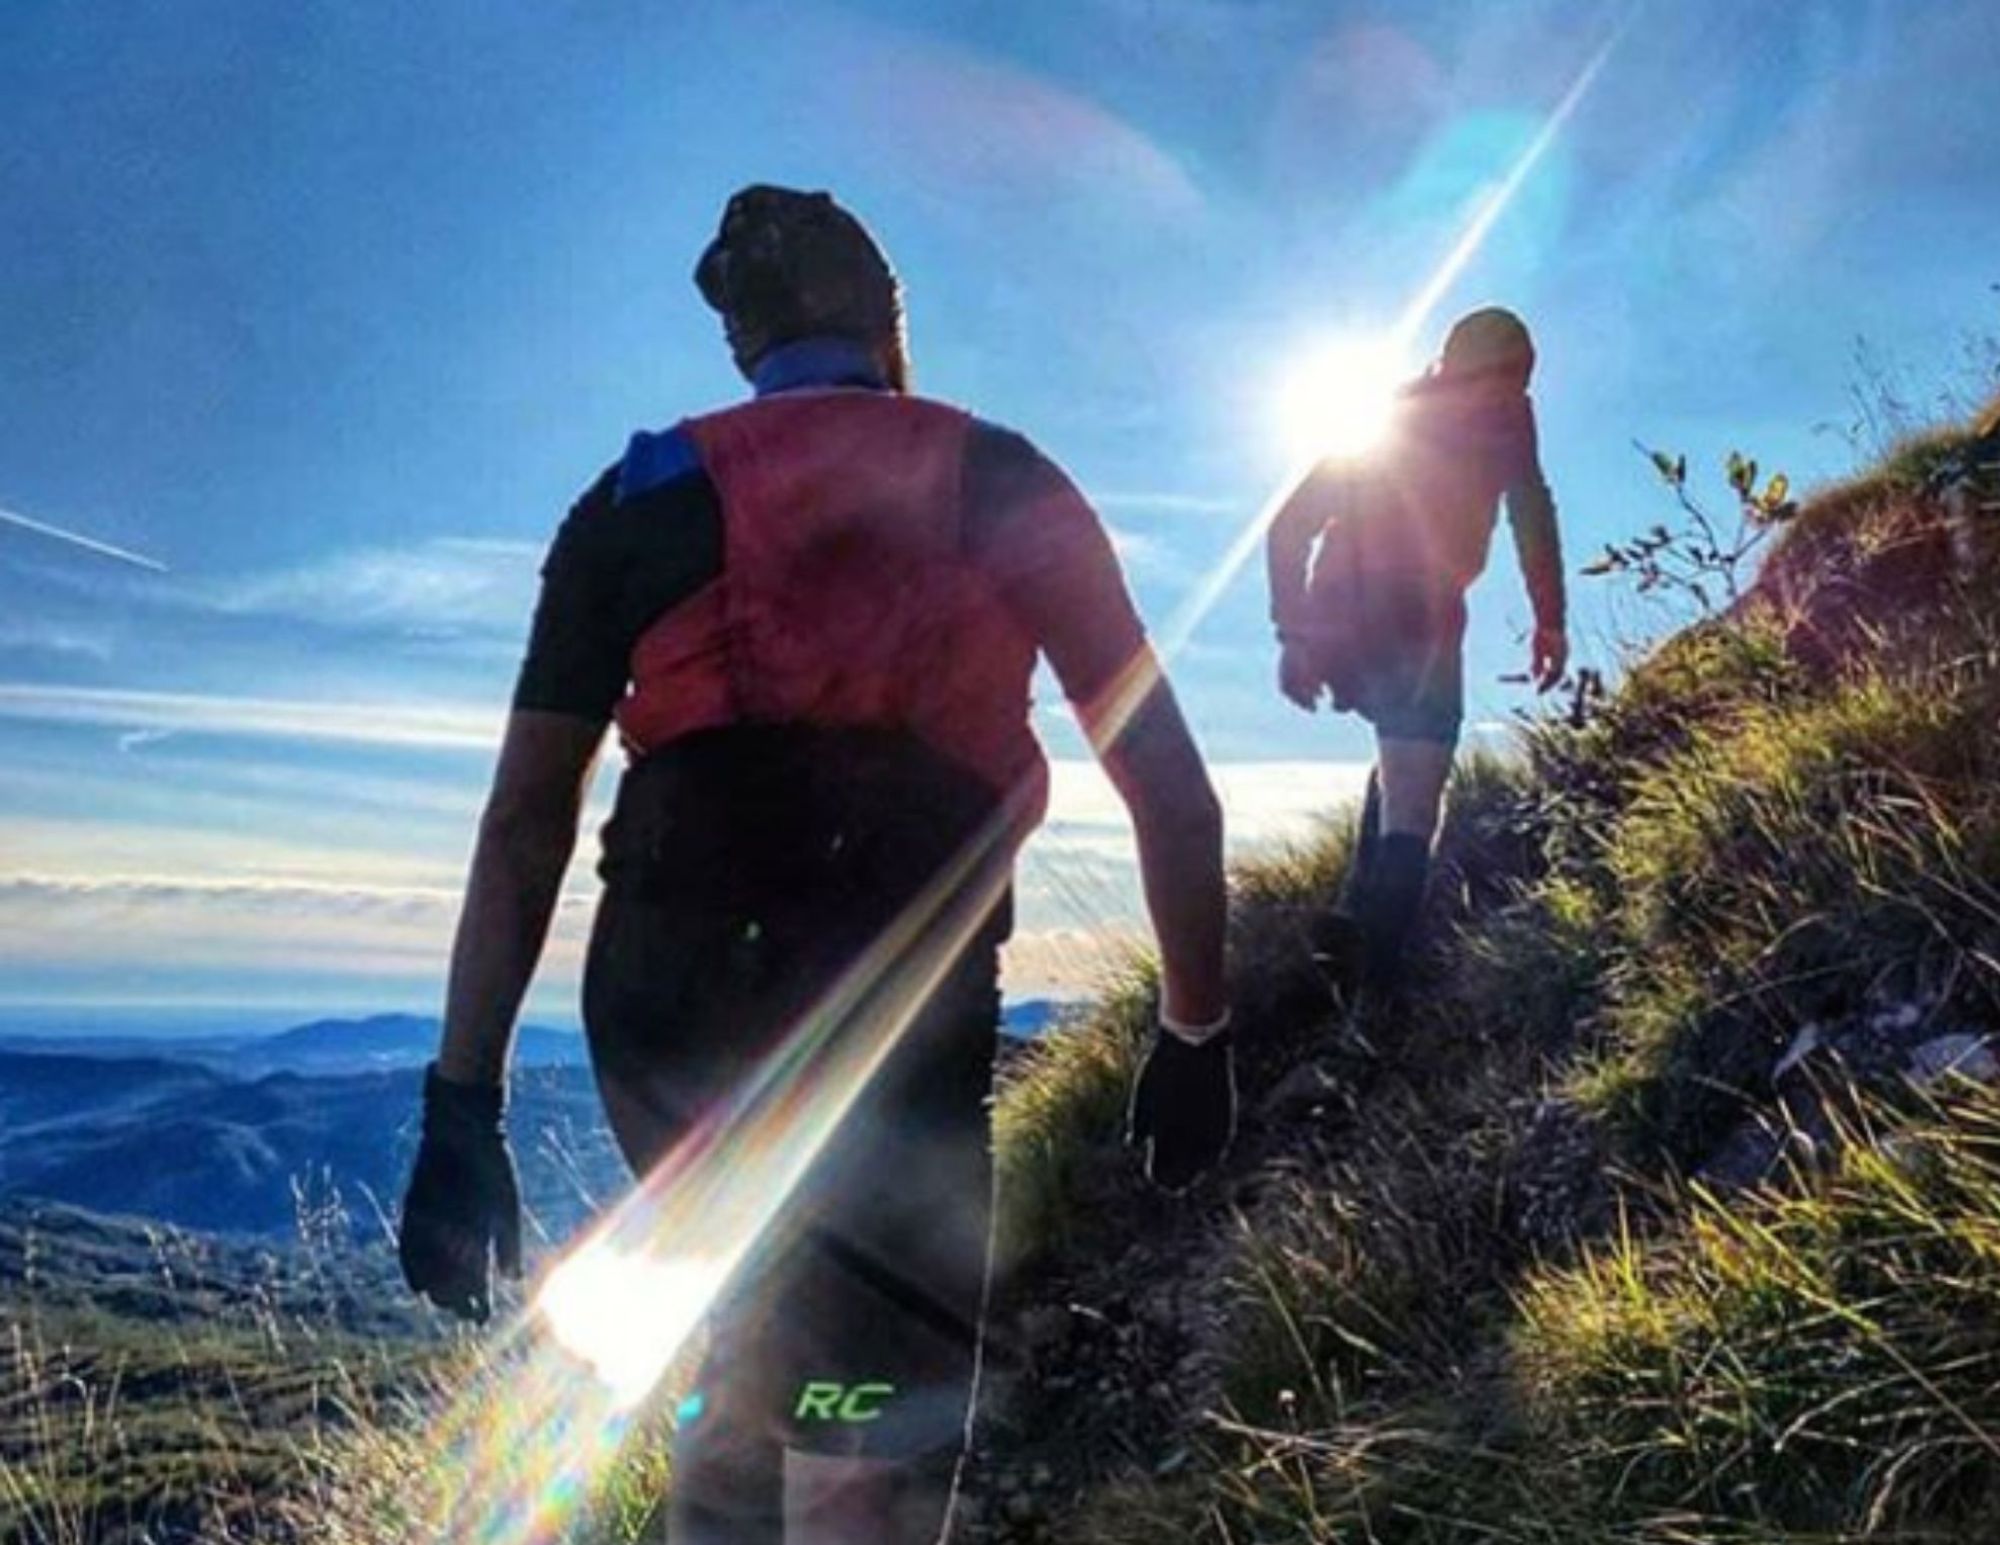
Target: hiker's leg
668, 1023
728, 1452
1413, 774
833, 1404
887, 1306
837, 1393
1417, 725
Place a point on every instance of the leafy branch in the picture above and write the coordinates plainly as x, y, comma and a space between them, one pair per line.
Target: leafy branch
1698, 558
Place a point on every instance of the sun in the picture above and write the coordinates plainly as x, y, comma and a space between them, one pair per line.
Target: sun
1338, 398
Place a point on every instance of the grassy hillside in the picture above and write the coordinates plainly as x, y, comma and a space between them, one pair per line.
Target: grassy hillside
1517, 1283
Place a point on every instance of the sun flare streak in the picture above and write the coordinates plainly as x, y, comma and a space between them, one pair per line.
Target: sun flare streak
1418, 312
1340, 399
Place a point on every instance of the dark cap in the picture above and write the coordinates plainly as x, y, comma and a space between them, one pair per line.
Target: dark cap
787, 265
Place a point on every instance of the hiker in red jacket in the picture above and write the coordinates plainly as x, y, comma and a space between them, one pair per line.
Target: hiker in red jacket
1374, 619
813, 618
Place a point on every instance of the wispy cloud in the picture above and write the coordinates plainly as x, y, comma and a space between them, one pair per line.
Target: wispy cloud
1263, 801
447, 585
343, 897
77, 539
201, 814
1079, 876
54, 639
161, 926
440, 726
1144, 554
260, 848
965, 125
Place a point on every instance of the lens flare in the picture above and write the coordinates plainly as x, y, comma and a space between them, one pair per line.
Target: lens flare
521, 1448
626, 1316
1494, 205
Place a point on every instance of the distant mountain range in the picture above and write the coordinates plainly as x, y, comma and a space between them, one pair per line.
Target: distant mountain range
181, 1143
375, 1044
378, 1043
271, 1134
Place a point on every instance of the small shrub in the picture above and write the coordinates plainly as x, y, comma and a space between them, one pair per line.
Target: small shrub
1704, 559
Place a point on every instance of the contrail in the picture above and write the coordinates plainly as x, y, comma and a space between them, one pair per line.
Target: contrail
89, 544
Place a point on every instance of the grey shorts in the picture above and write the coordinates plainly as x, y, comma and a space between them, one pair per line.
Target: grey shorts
1408, 679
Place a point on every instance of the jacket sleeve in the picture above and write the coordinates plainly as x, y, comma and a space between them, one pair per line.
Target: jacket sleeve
1531, 512
1288, 546
1031, 529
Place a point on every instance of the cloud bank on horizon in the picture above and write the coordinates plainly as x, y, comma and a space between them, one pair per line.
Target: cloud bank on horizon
275, 891
339, 322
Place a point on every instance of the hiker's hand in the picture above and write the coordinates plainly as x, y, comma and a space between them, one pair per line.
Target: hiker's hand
463, 1211
1550, 657
1298, 677
1183, 1109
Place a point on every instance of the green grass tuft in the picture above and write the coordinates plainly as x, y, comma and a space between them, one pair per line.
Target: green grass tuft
1826, 1359
1060, 1108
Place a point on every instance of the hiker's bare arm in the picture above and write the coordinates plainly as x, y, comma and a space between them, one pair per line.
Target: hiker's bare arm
1045, 548
1153, 763
526, 837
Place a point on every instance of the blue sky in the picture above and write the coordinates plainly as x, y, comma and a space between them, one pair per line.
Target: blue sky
331, 309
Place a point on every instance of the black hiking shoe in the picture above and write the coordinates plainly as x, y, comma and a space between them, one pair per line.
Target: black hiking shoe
1393, 897
1337, 936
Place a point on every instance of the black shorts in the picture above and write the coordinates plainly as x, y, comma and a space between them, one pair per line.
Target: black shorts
746, 872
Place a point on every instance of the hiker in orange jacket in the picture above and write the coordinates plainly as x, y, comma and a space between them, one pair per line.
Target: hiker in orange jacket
813, 618
1369, 563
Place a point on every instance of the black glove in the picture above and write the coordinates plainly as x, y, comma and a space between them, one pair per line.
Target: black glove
1183, 1107
463, 1203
